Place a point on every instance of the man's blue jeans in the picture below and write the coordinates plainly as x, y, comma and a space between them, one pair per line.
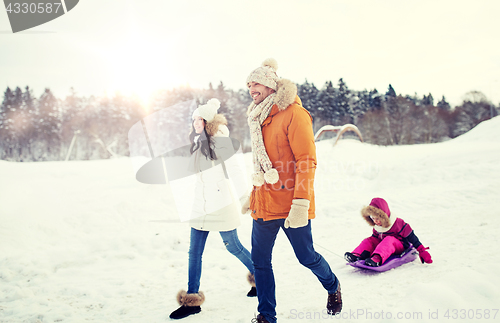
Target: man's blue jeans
263, 237
196, 247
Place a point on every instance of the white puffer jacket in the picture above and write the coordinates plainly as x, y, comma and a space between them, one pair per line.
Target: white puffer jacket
216, 204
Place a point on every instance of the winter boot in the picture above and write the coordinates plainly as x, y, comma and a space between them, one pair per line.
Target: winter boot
190, 304
251, 281
364, 255
259, 319
252, 292
374, 261
350, 257
334, 303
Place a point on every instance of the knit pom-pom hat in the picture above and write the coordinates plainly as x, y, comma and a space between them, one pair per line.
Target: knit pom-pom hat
216, 123
207, 111
265, 74
378, 208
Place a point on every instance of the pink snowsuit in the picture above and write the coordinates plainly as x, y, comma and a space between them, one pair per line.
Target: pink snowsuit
392, 237
395, 240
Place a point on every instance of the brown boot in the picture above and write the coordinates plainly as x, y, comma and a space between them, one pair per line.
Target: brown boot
334, 303
259, 319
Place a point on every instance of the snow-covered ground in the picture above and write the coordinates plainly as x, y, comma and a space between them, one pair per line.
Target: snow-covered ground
84, 241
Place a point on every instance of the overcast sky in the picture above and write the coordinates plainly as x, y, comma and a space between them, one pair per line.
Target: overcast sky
441, 47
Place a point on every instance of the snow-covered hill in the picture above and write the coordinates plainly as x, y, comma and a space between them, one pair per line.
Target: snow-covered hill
83, 241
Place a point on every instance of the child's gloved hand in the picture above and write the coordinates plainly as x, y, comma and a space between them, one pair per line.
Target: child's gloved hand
425, 256
298, 215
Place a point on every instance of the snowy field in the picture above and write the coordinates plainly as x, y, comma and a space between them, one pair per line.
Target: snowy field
84, 241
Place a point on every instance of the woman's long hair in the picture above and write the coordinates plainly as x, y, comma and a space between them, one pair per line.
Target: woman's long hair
205, 140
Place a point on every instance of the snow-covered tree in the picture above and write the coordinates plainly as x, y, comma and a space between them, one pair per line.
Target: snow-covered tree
7, 114
373, 126
375, 100
326, 104
443, 104
342, 103
361, 103
27, 130
474, 109
48, 124
390, 92
427, 100
398, 119
308, 94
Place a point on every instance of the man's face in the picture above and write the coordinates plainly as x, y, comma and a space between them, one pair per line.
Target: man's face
258, 92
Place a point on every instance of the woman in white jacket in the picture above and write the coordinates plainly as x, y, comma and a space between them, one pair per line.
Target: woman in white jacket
215, 208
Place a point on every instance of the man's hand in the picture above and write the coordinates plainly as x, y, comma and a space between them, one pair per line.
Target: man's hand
298, 215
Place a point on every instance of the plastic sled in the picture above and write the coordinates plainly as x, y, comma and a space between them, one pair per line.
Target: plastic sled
393, 261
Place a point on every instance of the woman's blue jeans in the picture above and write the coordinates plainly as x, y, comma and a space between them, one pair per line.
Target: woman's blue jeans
196, 247
263, 237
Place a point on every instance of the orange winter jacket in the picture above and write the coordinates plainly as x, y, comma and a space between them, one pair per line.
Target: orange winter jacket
289, 141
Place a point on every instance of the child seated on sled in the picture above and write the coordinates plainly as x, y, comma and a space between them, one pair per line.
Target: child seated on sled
390, 236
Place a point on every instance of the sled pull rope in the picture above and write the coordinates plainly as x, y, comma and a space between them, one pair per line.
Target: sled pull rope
328, 250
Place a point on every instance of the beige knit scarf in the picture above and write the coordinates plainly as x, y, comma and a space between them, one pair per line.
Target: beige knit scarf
263, 168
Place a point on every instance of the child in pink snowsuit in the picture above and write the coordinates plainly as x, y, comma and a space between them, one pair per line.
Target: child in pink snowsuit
390, 236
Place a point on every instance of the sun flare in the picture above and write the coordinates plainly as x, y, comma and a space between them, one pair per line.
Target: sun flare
139, 66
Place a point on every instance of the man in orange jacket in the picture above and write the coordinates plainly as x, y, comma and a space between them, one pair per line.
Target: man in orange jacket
284, 160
